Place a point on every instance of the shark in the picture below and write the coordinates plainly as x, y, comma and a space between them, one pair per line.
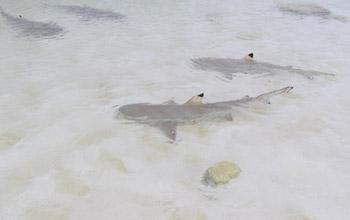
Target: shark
309, 9
168, 115
230, 67
87, 13
31, 28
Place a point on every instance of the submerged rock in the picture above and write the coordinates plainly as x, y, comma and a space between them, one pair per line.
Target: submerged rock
220, 173
113, 162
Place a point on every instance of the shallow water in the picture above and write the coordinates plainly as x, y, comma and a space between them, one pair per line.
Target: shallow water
63, 155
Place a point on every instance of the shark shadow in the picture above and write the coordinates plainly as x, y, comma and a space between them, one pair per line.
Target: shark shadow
230, 67
87, 13
167, 116
309, 9
28, 28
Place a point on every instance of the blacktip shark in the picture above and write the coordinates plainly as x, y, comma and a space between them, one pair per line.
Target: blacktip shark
167, 116
247, 65
32, 28
87, 13
309, 9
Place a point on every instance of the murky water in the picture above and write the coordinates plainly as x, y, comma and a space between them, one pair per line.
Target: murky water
63, 155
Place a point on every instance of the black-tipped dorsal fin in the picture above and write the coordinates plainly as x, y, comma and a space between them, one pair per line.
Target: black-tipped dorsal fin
195, 100
249, 57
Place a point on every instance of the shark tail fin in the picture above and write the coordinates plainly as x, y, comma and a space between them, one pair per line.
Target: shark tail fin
195, 100
310, 73
265, 98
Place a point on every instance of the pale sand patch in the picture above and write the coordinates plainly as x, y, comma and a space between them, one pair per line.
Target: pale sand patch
49, 212
70, 184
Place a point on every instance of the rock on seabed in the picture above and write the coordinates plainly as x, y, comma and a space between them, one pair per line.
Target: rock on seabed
221, 173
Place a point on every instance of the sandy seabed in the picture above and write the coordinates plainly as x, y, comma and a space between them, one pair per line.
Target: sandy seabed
63, 155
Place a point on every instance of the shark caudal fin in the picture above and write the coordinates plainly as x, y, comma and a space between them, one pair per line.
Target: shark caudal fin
265, 98
195, 100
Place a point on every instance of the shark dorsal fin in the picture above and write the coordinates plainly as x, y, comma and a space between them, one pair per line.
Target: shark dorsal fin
249, 58
195, 100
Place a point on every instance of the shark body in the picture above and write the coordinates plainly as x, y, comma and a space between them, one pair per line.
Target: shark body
169, 115
308, 9
32, 28
229, 67
87, 13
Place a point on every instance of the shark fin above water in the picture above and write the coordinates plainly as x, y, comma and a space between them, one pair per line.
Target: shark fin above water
228, 117
195, 100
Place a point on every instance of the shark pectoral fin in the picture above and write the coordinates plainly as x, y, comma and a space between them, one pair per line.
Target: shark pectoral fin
168, 129
195, 100
228, 76
228, 117
266, 101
